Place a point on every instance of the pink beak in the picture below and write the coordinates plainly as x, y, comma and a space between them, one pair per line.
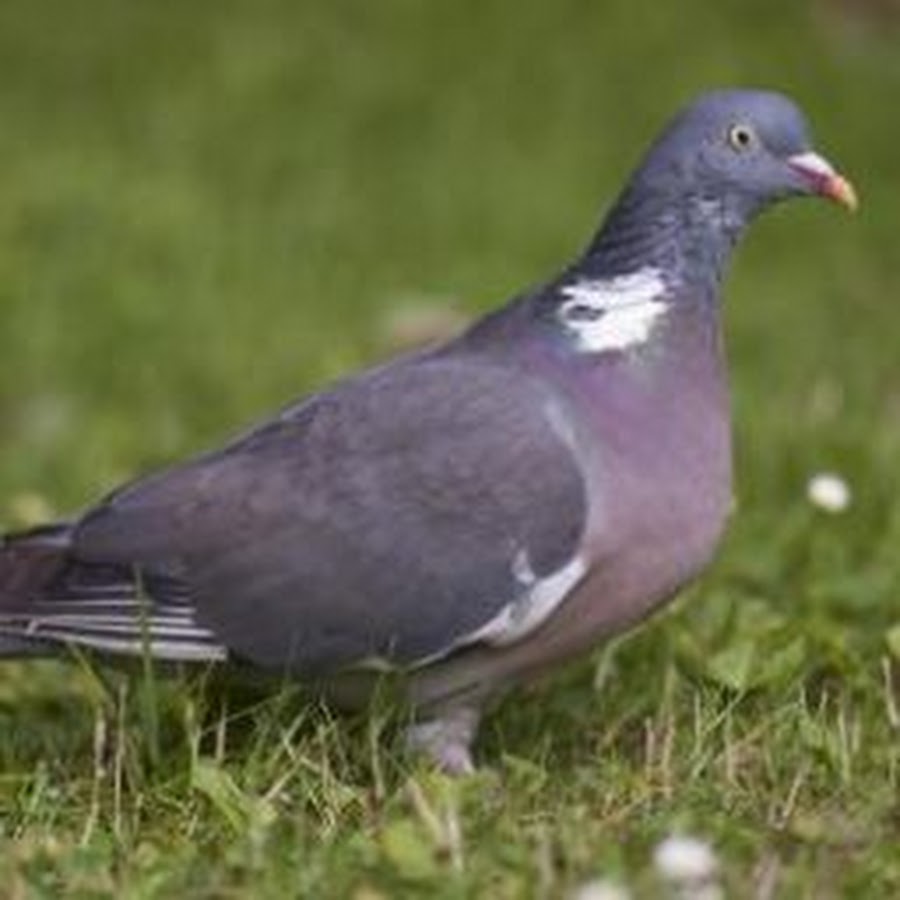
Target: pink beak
824, 179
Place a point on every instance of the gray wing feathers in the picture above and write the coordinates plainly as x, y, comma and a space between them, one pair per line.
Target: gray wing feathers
47, 599
381, 520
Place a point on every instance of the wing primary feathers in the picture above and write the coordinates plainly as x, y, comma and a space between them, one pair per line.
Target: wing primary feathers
111, 609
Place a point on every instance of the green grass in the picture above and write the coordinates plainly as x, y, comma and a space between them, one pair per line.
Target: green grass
208, 208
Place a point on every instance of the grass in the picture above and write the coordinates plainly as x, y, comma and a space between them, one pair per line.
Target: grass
208, 208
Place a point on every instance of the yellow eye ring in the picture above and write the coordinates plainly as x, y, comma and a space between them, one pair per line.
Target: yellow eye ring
741, 137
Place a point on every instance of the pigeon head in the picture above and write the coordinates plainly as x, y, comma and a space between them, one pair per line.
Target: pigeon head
747, 147
719, 162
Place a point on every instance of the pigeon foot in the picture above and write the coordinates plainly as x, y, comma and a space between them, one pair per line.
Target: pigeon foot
446, 740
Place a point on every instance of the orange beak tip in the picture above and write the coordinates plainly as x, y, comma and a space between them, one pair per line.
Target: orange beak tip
842, 191
822, 179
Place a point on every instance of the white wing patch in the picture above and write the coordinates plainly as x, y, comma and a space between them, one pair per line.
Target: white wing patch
614, 313
542, 597
518, 619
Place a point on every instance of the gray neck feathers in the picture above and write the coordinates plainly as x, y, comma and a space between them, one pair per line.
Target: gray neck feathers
690, 237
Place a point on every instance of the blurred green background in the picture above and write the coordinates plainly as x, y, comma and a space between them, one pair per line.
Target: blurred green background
208, 208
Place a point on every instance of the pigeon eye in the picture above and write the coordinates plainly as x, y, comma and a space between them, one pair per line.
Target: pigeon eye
740, 137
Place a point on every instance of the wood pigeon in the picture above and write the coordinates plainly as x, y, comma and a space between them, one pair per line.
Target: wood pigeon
470, 514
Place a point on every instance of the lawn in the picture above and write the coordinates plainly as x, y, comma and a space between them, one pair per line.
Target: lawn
207, 209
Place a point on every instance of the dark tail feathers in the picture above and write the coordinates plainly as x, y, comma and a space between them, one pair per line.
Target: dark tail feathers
50, 599
30, 560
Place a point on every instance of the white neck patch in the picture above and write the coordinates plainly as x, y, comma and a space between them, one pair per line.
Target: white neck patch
613, 313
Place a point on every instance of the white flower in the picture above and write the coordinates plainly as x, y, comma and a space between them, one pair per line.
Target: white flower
689, 867
829, 492
600, 889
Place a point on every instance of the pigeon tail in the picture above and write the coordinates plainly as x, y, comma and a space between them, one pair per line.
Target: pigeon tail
50, 599
29, 560
20, 648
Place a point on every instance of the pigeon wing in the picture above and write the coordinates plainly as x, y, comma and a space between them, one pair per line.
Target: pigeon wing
405, 513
